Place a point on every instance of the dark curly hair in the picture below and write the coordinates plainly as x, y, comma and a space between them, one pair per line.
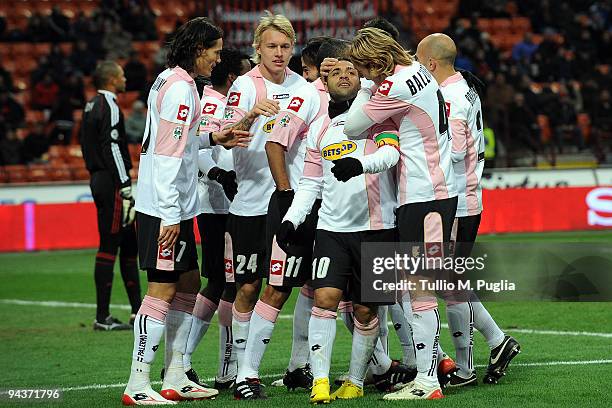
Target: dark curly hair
189, 40
231, 63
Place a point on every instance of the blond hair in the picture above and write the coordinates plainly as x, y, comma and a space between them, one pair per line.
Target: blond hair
276, 22
376, 50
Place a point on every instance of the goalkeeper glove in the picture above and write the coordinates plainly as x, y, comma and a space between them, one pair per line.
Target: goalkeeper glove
128, 213
347, 168
227, 179
285, 235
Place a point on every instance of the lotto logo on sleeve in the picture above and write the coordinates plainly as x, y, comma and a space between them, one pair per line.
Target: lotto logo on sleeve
385, 87
233, 99
295, 104
276, 267
209, 109
183, 111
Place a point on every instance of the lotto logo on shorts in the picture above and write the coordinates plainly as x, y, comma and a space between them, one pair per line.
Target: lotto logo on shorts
233, 99
295, 104
228, 265
183, 111
385, 87
165, 253
433, 249
209, 109
276, 267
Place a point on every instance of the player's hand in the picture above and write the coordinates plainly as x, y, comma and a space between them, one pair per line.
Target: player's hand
266, 107
326, 66
227, 179
284, 235
230, 138
168, 235
347, 168
128, 213
284, 199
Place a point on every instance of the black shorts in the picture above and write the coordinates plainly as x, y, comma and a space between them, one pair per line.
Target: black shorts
430, 221
245, 248
292, 269
337, 259
165, 265
465, 231
212, 235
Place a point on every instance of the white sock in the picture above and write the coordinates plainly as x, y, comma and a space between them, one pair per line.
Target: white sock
384, 328
404, 333
148, 330
461, 325
364, 340
263, 320
240, 330
321, 336
484, 323
345, 310
426, 335
203, 311
178, 326
227, 363
301, 317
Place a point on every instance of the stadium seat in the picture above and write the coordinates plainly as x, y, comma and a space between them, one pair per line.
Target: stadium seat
79, 173
545, 130
17, 173
39, 172
3, 175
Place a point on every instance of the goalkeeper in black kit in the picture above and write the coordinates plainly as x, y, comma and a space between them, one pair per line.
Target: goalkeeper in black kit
106, 156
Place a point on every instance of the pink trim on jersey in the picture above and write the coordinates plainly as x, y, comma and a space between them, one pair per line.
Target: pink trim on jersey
166, 144
162, 92
313, 167
183, 302
241, 316
211, 92
471, 161
183, 74
422, 121
423, 304
323, 313
204, 308
156, 308
266, 311
307, 291
345, 306
398, 68
225, 313
369, 329
286, 135
456, 77
459, 131
238, 115
432, 227
326, 123
379, 108
373, 191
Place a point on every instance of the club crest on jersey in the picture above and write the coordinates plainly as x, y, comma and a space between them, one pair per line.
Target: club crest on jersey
165, 253
233, 99
276, 267
269, 126
295, 104
335, 151
177, 132
209, 109
183, 111
205, 121
284, 122
229, 114
385, 87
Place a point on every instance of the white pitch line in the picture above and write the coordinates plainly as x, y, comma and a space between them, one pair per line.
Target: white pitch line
53, 303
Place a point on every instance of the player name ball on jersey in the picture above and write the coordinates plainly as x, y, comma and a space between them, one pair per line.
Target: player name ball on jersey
336, 150
267, 127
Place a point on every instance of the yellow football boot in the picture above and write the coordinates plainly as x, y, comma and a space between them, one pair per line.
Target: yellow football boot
320, 391
347, 390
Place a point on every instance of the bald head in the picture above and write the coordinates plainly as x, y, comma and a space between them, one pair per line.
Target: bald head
439, 47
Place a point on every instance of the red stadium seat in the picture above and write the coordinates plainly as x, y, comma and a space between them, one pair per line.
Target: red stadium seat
17, 173
39, 172
79, 173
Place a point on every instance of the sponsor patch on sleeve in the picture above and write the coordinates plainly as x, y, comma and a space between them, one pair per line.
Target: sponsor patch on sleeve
385, 87
233, 99
209, 109
295, 104
183, 111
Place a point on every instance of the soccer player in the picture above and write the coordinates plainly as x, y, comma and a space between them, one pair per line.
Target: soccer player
437, 52
106, 156
216, 187
350, 214
253, 102
427, 196
166, 204
310, 68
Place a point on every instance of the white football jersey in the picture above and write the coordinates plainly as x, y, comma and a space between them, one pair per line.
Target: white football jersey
255, 183
290, 130
465, 119
412, 99
365, 202
212, 197
168, 171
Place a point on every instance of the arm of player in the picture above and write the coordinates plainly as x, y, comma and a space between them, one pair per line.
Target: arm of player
206, 161
285, 132
459, 130
308, 190
363, 114
110, 137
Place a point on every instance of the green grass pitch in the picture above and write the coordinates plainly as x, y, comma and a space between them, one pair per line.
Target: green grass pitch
50, 346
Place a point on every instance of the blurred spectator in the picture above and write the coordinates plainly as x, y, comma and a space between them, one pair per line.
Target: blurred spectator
136, 122
58, 63
11, 148
566, 123
11, 112
523, 50
499, 96
6, 80
45, 93
82, 58
2, 27
523, 124
135, 73
35, 144
139, 21
602, 117
38, 28
116, 42
59, 23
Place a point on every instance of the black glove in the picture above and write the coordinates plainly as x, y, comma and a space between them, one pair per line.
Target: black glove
284, 200
227, 179
285, 235
347, 168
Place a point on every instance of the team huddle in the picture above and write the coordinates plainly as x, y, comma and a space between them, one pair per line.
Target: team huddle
288, 175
